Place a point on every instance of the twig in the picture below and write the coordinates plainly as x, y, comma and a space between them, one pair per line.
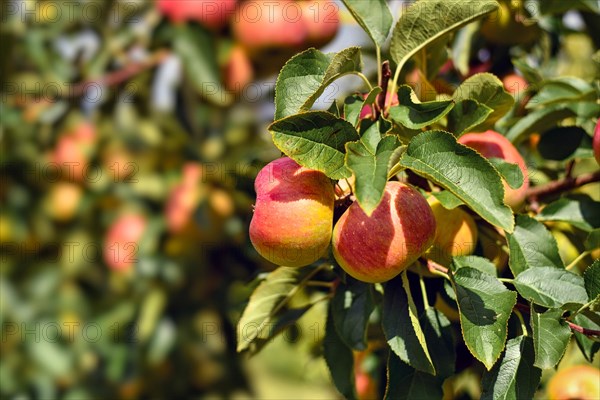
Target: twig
577, 328
562, 185
386, 73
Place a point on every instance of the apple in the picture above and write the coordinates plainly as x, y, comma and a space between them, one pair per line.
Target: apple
514, 84
580, 382
293, 215
492, 144
62, 200
377, 248
506, 26
184, 198
263, 24
238, 71
321, 18
213, 14
456, 234
121, 241
596, 142
73, 151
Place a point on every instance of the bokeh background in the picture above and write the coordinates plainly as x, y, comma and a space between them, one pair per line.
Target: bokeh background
131, 135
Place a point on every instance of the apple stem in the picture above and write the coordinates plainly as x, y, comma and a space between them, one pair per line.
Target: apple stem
522, 321
561, 185
423, 290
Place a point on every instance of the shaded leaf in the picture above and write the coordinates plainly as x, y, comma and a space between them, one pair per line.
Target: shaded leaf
538, 121
588, 347
514, 377
447, 199
551, 336
489, 91
315, 140
582, 212
561, 142
351, 307
591, 278
416, 115
354, 104
437, 156
339, 360
467, 115
440, 338
551, 287
479, 263
561, 89
485, 306
406, 383
306, 75
531, 245
510, 172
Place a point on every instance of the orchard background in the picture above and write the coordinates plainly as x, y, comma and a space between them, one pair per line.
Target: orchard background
131, 136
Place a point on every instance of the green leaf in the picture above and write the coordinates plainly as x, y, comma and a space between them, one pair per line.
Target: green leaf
561, 89
195, 48
531, 245
416, 115
437, 156
515, 377
510, 172
306, 75
447, 199
265, 301
593, 240
582, 212
551, 336
467, 115
339, 360
485, 306
538, 121
461, 48
426, 21
398, 327
373, 16
551, 287
479, 263
487, 90
354, 104
440, 338
406, 383
315, 140
351, 306
531, 74
370, 167
561, 142
591, 277
587, 346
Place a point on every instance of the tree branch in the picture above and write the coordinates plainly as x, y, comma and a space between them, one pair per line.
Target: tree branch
562, 185
574, 327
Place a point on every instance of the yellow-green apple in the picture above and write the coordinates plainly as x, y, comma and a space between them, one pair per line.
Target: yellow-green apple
62, 200
238, 71
376, 248
293, 215
491, 144
122, 240
213, 14
321, 18
264, 24
456, 233
596, 142
507, 25
581, 382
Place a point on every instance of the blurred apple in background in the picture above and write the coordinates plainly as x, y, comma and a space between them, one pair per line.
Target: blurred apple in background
74, 150
515, 84
122, 239
213, 14
321, 19
184, 198
62, 200
238, 71
596, 142
581, 382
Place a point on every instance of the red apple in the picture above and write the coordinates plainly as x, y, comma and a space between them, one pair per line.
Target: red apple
264, 24
184, 199
293, 215
122, 241
321, 18
379, 247
515, 84
213, 14
73, 152
492, 144
596, 142
238, 70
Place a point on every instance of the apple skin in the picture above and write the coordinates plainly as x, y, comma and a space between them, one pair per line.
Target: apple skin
575, 382
238, 70
293, 215
596, 142
263, 24
121, 241
367, 111
213, 14
377, 248
456, 234
492, 144
321, 19
514, 84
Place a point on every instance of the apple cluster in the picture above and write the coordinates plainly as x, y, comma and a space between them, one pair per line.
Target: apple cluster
293, 222
265, 33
